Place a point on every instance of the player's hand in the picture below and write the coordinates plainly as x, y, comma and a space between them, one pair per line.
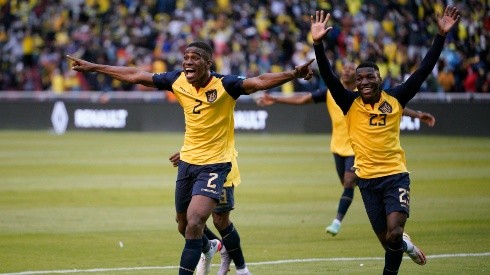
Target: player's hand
304, 71
427, 119
265, 100
81, 65
448, 19
174, 159
318, 26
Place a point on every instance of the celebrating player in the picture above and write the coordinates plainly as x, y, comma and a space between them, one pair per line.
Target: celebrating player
208, 100
373, 123
339, 145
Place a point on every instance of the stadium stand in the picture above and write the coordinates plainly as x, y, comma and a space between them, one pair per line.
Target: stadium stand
249, 37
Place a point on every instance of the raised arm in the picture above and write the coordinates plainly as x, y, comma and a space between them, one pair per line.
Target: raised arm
407, 90
270, 80
318, 32
126, 74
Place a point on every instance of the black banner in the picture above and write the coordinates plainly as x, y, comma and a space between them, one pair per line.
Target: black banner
457, 118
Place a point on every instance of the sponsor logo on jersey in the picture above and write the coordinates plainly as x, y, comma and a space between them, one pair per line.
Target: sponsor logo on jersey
184, 91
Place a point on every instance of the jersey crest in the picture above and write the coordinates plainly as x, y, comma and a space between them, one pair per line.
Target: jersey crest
211, 95
385, 107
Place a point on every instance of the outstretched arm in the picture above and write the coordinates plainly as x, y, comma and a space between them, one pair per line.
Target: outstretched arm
126, 74
270, 80
424, 117
296, 99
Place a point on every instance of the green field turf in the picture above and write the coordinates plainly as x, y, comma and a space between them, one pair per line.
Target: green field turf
68, 202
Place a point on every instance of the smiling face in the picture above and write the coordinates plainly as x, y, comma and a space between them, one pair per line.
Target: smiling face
197, 66
368, 83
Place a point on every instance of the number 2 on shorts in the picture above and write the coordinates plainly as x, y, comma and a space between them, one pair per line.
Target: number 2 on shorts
404, 193
213, 176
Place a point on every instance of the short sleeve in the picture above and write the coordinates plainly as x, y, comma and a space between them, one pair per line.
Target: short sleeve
233, 85
164, 81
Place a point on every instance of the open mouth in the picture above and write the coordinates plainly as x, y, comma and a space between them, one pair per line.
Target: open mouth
189, 72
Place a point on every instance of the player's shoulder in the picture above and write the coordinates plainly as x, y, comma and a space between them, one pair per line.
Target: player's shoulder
171, 76
228, 77
233, 84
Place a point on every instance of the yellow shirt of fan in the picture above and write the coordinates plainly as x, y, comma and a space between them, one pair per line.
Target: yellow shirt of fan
374, 132
339, 143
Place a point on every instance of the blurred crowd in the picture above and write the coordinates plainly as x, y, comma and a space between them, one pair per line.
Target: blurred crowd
249, 37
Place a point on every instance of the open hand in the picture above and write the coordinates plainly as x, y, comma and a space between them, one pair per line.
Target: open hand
448, 19
265, 100
318, 24
427, 119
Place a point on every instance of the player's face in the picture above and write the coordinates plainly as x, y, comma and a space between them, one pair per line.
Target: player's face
368, 83
349, 73
196, 66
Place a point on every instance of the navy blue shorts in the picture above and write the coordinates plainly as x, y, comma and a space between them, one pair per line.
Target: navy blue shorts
343, 164
206, 180
385, 195
226, 201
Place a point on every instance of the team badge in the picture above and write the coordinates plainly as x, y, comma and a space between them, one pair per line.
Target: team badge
212, 95
385, 108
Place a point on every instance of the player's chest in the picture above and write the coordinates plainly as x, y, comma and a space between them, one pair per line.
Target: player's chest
204, 99
385, 113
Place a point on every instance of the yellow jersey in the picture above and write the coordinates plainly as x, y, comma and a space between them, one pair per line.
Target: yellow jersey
233, 178
374, 136
208, 112
339, 143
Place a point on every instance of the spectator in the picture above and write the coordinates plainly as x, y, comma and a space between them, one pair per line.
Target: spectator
392, 36
470, 79
446, 79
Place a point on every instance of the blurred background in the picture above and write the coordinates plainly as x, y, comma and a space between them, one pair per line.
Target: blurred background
249, 37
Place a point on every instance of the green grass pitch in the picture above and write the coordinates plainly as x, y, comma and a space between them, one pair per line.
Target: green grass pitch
99, 202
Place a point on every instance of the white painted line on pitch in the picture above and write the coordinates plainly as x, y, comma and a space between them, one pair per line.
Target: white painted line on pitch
460, 255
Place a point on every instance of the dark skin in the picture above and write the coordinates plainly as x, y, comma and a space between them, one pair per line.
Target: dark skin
196, 65
221, 220
368, 84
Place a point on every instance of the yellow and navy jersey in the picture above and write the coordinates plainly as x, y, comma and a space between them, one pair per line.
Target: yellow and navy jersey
233, 178
208, 112
374, 130
374, 136
339, 143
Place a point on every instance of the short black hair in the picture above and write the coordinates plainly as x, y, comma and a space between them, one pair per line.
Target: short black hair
204, 46
368, 64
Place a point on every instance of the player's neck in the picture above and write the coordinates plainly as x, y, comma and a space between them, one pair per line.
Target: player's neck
203, 82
